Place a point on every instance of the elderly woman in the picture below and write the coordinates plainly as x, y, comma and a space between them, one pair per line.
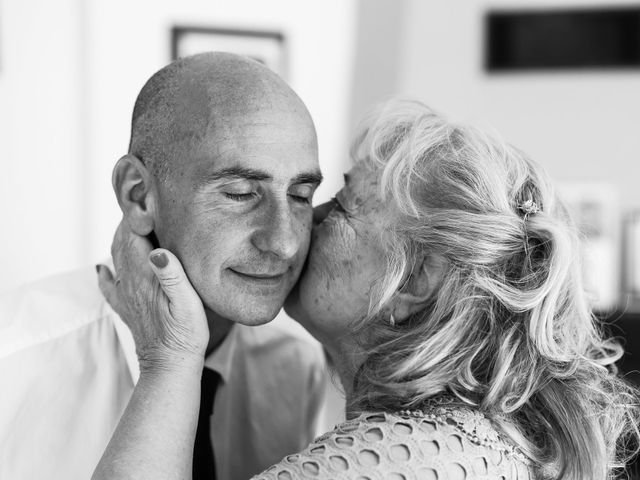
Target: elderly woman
444, 282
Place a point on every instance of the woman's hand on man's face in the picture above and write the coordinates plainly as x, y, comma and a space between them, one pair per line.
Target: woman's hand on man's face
151, 293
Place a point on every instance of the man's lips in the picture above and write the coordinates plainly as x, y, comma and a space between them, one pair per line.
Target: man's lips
260, 275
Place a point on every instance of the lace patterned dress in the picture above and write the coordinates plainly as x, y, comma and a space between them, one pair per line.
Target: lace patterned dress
442, 442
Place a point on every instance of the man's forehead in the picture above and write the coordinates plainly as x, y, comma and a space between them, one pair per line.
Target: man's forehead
226, 102
254, 138
276, 139
259, 145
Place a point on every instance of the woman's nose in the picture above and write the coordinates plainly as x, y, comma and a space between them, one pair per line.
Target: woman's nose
321, 211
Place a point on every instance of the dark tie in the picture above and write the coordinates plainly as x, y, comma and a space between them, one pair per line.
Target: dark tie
204, 465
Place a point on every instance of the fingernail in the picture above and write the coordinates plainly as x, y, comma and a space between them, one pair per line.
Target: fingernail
160, 260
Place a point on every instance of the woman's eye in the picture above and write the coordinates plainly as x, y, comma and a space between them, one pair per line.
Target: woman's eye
337, 206
240, 197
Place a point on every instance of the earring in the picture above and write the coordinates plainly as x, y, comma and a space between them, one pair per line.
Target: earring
392, 320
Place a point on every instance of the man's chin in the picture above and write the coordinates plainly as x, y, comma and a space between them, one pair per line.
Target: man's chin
251, 317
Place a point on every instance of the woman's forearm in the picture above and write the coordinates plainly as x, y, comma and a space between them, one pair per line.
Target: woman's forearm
154, 438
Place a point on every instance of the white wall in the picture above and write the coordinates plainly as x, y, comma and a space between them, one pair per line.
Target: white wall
580, 126
41, 227
69, 74
377, 63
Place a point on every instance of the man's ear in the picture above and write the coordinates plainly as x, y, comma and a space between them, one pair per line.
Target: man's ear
419, 288
133, 184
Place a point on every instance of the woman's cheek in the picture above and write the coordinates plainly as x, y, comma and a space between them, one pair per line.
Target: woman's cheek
338, 242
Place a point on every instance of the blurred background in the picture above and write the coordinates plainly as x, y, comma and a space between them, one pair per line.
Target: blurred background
559, 79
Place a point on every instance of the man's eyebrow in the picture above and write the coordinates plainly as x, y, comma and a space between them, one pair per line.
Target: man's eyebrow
315, 177
244, 173
234, 173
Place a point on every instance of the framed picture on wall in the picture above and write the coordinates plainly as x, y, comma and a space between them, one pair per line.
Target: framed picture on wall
267, 47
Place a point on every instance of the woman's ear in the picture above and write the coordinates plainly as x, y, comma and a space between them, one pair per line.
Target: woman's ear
419, 288
133, 184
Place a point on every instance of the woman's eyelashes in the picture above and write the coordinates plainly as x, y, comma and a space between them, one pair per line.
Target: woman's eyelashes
337, 206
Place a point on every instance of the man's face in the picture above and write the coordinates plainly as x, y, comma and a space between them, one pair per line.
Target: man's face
237, 212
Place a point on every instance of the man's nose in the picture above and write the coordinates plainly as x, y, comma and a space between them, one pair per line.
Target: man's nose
280, 232
321, 211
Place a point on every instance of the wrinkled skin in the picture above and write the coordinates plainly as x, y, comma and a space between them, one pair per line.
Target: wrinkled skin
163, 312
346, 258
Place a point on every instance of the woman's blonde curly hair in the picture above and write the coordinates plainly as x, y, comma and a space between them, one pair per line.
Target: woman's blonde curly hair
509, 329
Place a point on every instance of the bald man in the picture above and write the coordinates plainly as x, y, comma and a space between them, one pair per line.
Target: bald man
221, 170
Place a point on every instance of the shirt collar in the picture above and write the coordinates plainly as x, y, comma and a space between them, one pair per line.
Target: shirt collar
220, 360
125, 337
126, 342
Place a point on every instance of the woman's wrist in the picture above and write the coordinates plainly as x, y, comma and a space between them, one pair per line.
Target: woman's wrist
159, 362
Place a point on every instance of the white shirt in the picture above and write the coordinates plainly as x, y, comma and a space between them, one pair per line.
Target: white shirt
68, 368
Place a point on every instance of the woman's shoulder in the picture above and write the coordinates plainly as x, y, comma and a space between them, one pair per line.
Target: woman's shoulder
440, 441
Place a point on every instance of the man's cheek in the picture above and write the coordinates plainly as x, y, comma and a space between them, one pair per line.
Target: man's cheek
301, 255
303, 232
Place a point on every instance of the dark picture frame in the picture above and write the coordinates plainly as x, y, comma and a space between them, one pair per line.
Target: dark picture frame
579, 38
266, 47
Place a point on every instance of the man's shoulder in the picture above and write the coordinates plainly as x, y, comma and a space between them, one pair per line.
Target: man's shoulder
48, 308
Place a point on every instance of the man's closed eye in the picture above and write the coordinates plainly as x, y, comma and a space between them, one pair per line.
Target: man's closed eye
241, 197
302, 193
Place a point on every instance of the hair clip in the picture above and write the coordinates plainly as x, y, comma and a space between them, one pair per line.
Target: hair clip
529, 207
